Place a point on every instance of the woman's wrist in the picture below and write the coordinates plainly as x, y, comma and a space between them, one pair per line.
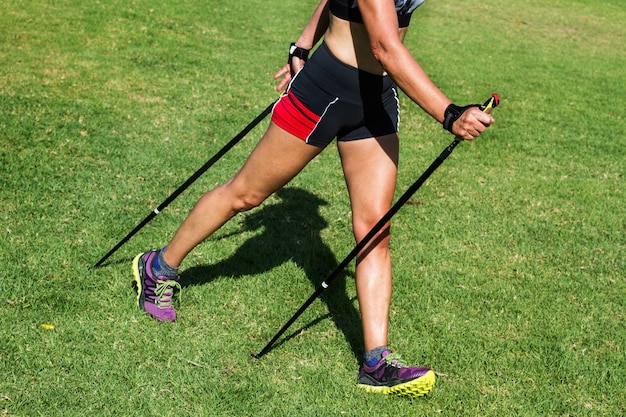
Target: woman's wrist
298, 52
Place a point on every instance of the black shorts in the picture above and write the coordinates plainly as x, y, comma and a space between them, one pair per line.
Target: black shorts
328, 99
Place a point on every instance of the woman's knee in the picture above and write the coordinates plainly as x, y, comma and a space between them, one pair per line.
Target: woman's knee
240, 198
248, 201
380, 240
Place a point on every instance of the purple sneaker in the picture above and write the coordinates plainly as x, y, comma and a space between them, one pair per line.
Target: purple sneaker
390, 376
154, 292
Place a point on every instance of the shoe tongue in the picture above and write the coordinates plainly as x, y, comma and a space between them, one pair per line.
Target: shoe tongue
385, 353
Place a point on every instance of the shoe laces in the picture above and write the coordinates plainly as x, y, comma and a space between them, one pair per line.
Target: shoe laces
393, 359
164, 300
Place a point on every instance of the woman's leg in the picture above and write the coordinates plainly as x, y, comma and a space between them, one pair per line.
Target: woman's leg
370, 168
277, 158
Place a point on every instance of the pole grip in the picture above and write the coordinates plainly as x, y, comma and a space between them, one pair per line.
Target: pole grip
486, 107
491, 104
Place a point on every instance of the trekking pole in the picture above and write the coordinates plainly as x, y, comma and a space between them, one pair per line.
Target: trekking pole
493, 101
190, 181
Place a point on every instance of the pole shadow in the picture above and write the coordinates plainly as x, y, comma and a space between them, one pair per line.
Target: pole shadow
291, 232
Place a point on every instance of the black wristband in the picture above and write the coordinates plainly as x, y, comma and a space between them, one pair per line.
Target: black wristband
452, 113
295, 50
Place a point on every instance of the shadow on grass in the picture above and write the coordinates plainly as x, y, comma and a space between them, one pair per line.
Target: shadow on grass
291, 232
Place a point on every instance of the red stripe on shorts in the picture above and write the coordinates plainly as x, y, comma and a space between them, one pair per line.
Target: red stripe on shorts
292, 116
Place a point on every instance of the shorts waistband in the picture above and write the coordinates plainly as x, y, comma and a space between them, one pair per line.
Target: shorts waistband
349, 71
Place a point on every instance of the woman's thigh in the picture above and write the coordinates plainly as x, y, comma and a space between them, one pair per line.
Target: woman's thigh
370, 167
277, 158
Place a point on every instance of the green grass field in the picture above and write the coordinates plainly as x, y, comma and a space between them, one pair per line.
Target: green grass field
509, 264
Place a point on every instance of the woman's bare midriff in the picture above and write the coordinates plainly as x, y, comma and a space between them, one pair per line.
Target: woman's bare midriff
349, 43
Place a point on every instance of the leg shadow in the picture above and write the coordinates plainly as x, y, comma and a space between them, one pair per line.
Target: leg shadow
291, 232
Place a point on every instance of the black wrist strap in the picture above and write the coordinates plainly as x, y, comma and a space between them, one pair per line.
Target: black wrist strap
295, 50
452, 114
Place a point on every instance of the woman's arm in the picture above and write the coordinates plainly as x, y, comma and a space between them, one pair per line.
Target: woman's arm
381, 23
311, 34
315, 28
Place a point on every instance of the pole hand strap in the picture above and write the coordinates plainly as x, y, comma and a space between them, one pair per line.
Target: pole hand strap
452, 114
296, 51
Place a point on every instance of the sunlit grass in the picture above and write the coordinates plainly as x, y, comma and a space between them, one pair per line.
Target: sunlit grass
508, 263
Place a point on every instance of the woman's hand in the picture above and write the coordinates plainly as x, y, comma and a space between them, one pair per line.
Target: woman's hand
290, 69
471, 124
286, 74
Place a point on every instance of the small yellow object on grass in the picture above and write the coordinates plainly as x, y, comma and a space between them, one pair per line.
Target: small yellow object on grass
47, 326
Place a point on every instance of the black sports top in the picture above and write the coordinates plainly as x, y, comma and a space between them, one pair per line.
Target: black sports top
348, 10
